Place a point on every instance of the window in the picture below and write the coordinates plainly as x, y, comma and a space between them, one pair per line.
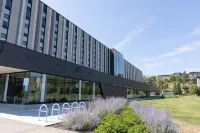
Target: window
42, 33
54, 53
7, 12
41, 48
8, 4
3, 37
4, 31
26, 30
67, 24
42, 36
29, 5
25, 39
6, 17
57, 16
45, 9
30, 1
27, 21
43, 22
41, 44
41, 40
42, 29
28, 13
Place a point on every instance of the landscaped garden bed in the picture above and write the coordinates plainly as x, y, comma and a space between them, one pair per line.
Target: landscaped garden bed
114, 115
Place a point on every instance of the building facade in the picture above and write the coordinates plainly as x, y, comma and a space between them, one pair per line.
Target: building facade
164, 76
34, 27
131, 72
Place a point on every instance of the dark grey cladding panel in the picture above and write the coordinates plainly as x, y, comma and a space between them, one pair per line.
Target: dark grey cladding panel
112, 91
1, 47
22, 58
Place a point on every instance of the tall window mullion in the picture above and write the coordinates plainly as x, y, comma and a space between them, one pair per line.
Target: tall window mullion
54, 51
42, 32
27, 23
6, 19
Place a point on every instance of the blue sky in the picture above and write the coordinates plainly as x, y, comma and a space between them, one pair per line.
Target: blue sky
157, 36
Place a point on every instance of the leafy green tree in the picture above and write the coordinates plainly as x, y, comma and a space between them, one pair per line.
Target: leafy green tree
179, 78
172, 78
193, 88
177, 88
184, 76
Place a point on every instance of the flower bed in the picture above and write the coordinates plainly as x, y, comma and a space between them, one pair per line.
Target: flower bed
125, 122
112, 115
87, 120
157, 121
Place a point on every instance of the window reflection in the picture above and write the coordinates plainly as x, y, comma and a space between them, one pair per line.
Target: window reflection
134, 93
2, 86
27, 86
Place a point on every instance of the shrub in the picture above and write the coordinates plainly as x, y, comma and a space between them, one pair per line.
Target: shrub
111, 123
138, 129
129, 117
126, 121
88, 119
109, 105
157, 121
80, 120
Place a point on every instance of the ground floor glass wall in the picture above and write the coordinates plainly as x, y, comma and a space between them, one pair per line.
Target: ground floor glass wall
134, 93
87, 90
27, 86
61, 89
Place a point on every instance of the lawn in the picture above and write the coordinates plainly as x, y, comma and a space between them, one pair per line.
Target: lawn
185, 108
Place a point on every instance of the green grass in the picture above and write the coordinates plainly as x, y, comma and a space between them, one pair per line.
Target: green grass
184, 108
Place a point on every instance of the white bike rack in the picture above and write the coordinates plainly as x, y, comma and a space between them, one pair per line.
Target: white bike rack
82, 105
55, 109
44, 111
65, 106
74, 106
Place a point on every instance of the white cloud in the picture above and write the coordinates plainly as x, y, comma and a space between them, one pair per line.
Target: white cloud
130, 37
184, 49
196, 32
177, 51
150, 65
176, 61
192, 69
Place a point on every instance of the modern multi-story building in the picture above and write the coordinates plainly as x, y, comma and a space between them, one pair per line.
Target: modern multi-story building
193, 75
164, 76
44, 58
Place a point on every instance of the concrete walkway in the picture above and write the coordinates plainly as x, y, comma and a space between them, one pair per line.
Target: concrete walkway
28, 116
12, 126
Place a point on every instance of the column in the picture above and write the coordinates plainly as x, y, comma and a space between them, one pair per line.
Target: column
6, 88
43, 88
79, 87
93, 90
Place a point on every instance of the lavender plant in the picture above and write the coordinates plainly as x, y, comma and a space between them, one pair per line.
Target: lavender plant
80, 120
88, 119
109, 105
157, 121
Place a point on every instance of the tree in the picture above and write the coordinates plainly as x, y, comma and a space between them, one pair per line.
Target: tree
166, 84
159, 82
179, 78
184, 76
177, 88
172, 78
193, 88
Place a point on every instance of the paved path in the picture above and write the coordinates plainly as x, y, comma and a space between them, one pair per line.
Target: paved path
12, 126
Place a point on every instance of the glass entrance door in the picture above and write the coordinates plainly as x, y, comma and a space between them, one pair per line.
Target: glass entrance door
2, 86
16, 93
